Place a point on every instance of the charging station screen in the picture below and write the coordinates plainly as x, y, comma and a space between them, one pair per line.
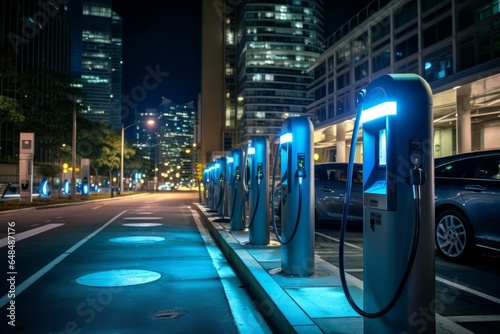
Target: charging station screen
382, 148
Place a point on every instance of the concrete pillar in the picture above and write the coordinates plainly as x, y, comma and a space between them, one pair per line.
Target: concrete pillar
464, 125
341, 143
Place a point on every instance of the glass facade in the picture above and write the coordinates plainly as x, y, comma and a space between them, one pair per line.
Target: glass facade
97, 59
450, 43
176, 138
35, 45
277, 41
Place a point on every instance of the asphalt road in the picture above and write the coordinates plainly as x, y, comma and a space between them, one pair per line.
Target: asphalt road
139, 264
466, 294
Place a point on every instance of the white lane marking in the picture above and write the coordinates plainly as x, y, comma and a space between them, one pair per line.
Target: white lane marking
445, 325
30, 233
337, 240
469, 290
246, 317
33, 278
474, 318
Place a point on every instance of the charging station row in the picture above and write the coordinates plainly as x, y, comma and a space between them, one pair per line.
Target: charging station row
395, 112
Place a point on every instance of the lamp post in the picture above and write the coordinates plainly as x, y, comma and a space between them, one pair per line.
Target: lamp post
149, 122
73, 157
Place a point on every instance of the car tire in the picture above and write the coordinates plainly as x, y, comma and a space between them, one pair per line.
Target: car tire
454, 237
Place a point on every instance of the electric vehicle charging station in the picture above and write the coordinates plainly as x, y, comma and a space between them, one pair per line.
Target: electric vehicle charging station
235, 169
211, 186
26, 156
398, 214
297, 196
221, 169
206, 184
216, 181
85, 170
258, 183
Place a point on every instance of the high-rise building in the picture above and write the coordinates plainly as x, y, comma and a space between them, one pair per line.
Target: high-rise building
277, 41
35, 42
169, 144
453, 45
97, 59
254, 60
176, 136
212, 99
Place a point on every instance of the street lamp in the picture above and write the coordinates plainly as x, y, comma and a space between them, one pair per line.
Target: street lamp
149, 122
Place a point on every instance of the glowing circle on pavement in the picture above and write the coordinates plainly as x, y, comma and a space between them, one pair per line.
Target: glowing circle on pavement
142, 224
124, 277
139, 239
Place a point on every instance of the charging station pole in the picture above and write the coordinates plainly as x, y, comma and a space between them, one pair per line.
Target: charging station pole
398, 214
259, 192
236, 189
297, 196
26, 154
222, 179
211, 186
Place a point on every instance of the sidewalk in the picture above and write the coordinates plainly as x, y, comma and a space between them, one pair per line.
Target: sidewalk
315, 304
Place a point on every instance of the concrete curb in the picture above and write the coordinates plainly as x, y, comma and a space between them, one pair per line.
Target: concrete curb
275, 304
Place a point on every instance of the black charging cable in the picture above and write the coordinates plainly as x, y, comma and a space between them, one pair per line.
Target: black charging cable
299, 175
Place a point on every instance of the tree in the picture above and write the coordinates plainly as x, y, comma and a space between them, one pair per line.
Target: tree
9, 110
109, 155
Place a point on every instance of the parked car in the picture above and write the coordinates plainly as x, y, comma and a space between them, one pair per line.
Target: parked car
467, 188
330, 185
467, 201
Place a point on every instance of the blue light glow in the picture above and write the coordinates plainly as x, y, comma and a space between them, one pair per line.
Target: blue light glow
251, 150
44, 188
143, 218
230, 160
286, 138
380, 110
118, 278
142, 224
137, 239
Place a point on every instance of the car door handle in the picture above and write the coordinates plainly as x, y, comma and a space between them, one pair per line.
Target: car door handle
476, 188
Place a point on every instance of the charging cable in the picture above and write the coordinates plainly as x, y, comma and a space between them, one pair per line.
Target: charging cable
416, 179
299, 174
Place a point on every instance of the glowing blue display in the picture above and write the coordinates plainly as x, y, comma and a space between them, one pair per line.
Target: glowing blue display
44, 188
382, 148
251, 150
286, 138
230, 159
85, 189
66, 188
380, 110
379, 187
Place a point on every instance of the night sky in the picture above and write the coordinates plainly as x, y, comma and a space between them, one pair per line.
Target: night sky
165, 36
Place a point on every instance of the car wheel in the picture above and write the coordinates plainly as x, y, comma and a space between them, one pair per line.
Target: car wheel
454, 236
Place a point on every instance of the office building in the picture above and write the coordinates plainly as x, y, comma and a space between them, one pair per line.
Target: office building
254, 60
97, 59
176, 138
169, 143
277, 41
35, 46
452, 44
